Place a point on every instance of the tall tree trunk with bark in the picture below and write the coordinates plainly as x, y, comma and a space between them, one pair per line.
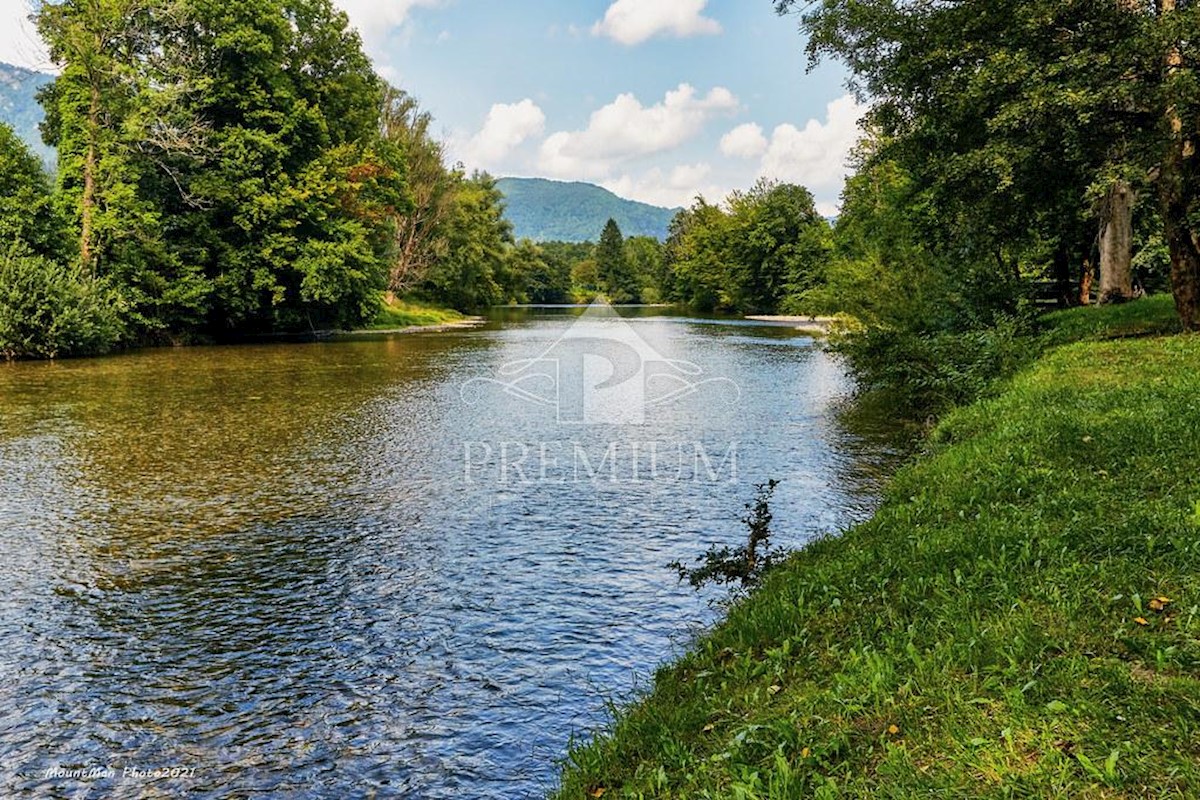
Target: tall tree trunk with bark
1179, 194
1177, 186
1116, 244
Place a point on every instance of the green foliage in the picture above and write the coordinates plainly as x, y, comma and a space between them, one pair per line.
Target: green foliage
545, 211
1021, 618
927, 373
648, 267
477, 240
617, 278
574, 264
27, 214
219, 161
1014, 118
764, 254
49, 310
532, 277
418, 223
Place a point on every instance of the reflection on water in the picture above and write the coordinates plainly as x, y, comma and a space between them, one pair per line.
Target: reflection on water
274, 565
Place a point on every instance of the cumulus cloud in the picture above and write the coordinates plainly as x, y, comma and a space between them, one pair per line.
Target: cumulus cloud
507, 126
625, 129
816, 154
745, 141
376, 20
632, 22
670, 189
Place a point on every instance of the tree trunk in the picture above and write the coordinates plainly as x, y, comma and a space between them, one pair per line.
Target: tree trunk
1176, 183
88, 202
1178, 192
1085, 282
1116, 244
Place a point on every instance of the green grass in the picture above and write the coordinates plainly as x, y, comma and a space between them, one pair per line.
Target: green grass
405, 313
1147, 317
992, 632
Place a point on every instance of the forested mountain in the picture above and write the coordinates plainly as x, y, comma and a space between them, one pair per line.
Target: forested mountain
544, 211
19, 106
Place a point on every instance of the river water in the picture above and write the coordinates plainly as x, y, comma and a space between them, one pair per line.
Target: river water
408, 566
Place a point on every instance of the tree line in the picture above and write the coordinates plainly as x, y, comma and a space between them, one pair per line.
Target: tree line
227, 169
761, 250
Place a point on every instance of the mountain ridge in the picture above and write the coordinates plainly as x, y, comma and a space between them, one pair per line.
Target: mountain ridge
576, 211
19, 106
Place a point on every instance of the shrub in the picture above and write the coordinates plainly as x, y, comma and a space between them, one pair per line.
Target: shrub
931, 372
743, 565
49, 310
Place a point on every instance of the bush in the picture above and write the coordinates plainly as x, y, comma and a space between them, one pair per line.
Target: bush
931, 372
744, 565
49, 310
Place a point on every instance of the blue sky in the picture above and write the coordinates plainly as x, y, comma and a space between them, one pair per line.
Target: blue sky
658, 100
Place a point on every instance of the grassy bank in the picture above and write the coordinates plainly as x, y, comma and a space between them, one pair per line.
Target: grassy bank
405, 313
1020, 619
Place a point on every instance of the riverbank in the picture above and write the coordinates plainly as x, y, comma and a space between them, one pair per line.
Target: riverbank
403, 314
1021, 617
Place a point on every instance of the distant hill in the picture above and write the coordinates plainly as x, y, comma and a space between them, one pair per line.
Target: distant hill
546, 211
19, 106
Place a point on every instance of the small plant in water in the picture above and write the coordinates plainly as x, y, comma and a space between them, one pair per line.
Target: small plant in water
743, 565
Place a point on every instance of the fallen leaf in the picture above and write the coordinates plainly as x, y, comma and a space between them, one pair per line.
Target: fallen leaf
1159, 603
774, 689
598, 792
893, 729
1140, 620
804, 753
708, 727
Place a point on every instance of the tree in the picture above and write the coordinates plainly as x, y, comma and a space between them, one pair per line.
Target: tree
763, 251
222, 160
477, 242
417, 235
616, 276
777, 245
96, 42
531, 277
695, 252
645, 257
27, 214
1028, 105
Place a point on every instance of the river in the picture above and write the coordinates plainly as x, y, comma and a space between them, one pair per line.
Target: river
386, 566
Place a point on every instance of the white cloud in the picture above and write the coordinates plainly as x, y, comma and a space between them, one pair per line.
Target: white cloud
507, 127
815, 155
632, 22
625, 129
20, 43
377, 20
745, 141
673, 189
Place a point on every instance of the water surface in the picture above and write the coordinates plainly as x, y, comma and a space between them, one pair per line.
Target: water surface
319, 570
